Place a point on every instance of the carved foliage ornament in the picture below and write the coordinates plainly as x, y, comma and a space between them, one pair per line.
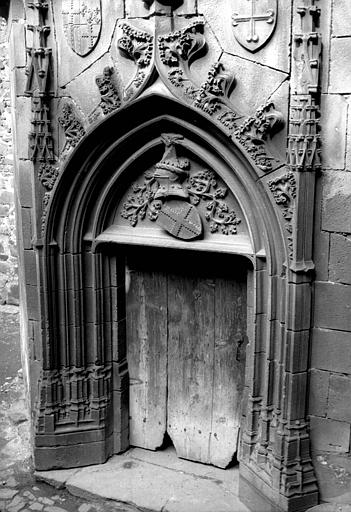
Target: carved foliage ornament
254, 22
72, 126
110, 99
283, 189
81, 24
169, 195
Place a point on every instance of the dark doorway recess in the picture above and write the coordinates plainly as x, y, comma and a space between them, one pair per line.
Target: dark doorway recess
186, 335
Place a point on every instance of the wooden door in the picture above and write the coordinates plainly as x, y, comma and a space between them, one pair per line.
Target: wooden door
186, 321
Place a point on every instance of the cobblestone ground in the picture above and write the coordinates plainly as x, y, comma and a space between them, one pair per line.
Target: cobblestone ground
19, 492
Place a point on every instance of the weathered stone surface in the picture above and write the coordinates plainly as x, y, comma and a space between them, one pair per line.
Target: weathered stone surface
334, 110
182, 485
331, 350
7, 494
339, 402
348, 140
336, 214
318, 399
340, 259
247, 99
74, 64
274, 54
340, 65
90, 100
329, 435
332, 306
341, 18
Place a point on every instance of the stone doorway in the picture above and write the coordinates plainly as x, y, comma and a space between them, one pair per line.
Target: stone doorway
186, 335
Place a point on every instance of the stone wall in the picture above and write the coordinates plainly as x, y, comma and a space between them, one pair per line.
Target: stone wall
330, 378
8, 251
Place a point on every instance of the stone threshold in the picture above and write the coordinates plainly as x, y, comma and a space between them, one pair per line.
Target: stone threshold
153, 482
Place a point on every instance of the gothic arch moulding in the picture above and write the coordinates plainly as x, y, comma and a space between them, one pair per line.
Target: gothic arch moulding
83, 414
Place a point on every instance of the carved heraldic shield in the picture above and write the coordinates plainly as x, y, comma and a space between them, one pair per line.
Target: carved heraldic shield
81, 24
254, 22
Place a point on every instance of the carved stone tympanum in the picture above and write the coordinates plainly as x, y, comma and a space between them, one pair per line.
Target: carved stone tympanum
171, 193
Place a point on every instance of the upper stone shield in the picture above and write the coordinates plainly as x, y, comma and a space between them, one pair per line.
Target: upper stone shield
81, 24
254, 22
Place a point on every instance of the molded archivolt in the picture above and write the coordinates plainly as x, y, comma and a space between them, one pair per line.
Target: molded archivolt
83, 413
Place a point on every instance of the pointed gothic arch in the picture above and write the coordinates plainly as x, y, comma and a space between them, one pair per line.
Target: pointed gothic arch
84, 385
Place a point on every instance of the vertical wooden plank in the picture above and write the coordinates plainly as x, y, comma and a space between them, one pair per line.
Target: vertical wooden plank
146, 302
229, 368
190, 364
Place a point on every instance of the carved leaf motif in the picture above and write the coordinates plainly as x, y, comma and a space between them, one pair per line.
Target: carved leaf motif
72, 126
265, 122
110, 99
184, 45
136, 45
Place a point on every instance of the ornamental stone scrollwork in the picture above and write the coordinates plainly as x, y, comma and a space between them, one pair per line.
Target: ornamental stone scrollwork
110, 98
182, 46
283, 189
266, 122
254, 22
175, 52
255, 130
72, 126
170, 194
136, 45
81, 24
47, 175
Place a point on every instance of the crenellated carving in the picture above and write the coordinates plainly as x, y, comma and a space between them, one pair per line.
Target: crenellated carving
39, 86
41, 146
283, 189
74, 397
110, 98
304, 151
72, 126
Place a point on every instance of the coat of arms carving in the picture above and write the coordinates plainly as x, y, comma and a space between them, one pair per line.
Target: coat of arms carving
254, 22
81, 24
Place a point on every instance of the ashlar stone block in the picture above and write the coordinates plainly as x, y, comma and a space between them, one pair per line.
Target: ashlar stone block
339, 402
341, 18
340, 65
336, 214
340, 259
319, 386
332, 306
331, 350
329, 435
334, 108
